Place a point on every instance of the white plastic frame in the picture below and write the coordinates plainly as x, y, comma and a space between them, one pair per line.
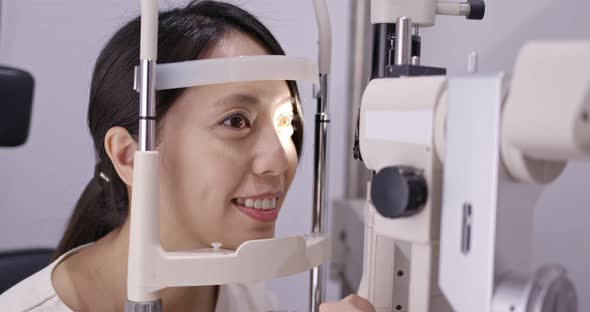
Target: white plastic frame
235, 69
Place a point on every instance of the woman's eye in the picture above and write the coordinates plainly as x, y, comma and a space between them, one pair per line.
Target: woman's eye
285, 121
237, 121
285, 125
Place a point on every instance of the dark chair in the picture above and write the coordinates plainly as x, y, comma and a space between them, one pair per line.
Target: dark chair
16, 100
17, 265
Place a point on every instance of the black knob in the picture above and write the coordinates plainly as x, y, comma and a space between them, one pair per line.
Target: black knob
477, 10
399, 191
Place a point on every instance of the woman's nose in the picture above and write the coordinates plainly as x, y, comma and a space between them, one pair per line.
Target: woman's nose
270, 155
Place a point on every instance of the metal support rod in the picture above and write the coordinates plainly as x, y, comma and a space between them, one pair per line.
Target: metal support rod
317, 276
380, 57
145, 84
317, 293
358, 78
147, 105
145, 77
403, 41
154, 306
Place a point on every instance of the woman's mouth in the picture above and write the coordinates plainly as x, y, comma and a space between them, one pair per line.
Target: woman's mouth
261, 208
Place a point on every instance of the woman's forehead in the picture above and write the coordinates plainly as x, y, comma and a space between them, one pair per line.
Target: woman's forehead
250, 99
234, 44
269, 93
261, 95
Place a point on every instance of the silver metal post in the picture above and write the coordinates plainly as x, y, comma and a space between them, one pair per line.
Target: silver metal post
358, 78
147, 105
155, 306
145, 84
317, 278
403, 41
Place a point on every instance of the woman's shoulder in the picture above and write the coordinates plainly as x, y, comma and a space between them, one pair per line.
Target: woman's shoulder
247, 297
34, 294
37, 294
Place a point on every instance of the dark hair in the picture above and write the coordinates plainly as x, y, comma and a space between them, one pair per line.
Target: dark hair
184, 34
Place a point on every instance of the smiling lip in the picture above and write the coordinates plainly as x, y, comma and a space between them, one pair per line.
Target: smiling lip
268, 215
264, 195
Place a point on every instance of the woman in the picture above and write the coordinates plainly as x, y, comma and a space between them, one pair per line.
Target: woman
228, 156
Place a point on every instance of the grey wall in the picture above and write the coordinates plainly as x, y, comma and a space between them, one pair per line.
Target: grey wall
58, 41
561, 222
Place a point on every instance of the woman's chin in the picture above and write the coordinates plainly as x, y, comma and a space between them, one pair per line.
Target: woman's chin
253, 235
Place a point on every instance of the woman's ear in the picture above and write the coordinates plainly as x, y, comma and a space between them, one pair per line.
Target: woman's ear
121, 147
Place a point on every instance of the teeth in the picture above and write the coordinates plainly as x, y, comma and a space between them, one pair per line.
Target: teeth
263, 204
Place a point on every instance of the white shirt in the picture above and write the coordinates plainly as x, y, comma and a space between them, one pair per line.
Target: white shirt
36, 294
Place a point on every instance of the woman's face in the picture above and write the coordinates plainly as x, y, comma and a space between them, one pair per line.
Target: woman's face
227, 158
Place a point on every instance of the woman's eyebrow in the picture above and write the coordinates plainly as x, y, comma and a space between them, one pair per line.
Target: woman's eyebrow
285, 100
238, 98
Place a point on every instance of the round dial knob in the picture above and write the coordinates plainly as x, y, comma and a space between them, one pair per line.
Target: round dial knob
477, 9
399, 191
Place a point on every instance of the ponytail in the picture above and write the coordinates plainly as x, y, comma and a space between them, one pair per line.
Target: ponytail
96, 213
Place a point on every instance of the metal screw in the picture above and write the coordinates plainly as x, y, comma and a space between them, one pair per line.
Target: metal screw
400, 273
216, 246
585, 116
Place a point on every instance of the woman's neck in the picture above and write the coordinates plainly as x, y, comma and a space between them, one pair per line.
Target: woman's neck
95, 279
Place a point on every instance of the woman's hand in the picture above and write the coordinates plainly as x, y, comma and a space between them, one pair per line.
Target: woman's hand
352, 303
